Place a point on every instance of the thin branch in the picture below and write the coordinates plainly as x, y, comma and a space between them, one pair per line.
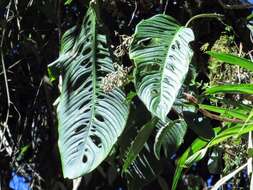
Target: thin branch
219, 118
13, 65
5, 124
205, 15
58, 5
208, 114
166, 6
17, 16
29, 3
4, 69
37, 93
228, 177
6, 87
134, 12
4, 141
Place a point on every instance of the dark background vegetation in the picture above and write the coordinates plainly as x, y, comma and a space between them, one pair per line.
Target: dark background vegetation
30, 40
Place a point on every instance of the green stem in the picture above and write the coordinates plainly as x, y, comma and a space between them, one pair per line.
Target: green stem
205, 15
95, 4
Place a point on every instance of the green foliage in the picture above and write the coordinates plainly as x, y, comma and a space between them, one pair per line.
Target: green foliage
141, 160
169, 137
144, 169
181, 163
218, 70
84, 65
199, 148
67, 2
90, 120
236, 88
232, 59
138, 143
126, 98
224, 111
161, 54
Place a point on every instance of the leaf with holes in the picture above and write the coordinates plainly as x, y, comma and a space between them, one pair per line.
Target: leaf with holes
161, 54
90, 121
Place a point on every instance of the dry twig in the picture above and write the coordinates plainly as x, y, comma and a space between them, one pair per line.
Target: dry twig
5, 124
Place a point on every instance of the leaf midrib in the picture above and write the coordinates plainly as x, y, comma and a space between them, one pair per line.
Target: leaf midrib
167, 54
93, 75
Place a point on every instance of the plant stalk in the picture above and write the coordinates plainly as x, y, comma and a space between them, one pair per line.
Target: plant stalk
205, 15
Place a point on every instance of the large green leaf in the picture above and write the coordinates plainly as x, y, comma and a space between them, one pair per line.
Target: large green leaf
90, 121
161, 54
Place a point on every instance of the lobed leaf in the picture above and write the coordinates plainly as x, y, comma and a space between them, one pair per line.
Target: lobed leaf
161, 54
90, 120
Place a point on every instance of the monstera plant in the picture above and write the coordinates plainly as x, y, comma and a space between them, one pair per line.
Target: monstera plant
161, 54
91, 119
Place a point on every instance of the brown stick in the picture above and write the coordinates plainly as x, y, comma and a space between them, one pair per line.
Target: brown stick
206, 113
218, 118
